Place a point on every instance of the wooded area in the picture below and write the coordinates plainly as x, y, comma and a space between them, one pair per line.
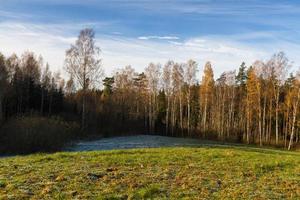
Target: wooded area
257, 104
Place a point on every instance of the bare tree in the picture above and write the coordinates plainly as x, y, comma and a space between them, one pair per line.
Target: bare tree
166, 78
190, 79
206, 92
280, 65
295, 103
177, 84
124, 84
153, 76
83, 63
258, 68
70, 88
12, 64
230, 81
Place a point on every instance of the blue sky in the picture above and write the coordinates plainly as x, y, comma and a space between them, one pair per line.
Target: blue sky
137, 32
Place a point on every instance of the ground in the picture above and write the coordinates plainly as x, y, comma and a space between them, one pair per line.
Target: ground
136, 141
202, 172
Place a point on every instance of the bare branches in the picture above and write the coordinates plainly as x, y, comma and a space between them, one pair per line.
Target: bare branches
83, 61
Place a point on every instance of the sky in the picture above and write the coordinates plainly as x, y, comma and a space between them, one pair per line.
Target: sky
137, 32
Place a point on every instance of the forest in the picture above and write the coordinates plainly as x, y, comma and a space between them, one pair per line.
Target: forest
258, 103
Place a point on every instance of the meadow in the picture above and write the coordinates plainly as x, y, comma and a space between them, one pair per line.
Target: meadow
204, 172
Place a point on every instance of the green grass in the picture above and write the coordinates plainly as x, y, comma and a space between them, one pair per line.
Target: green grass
165, 173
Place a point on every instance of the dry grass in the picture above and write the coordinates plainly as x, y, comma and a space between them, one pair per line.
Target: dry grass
160, 173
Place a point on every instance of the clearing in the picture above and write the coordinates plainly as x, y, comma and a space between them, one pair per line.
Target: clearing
185, 171
136, 141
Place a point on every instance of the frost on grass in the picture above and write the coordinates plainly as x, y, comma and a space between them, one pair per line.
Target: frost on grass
130, 142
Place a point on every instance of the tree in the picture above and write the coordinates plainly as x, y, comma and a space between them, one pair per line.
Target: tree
70, 87
258, 67
295, 103
31, 67
241, 77
206, 93
190, 79
266, 95
177, 84
280, 65
229, 95
141, 87
31, 75
123, 80
153, 76
83, 63
251, 99
240, 97
45, 83
167, 86
221, 104
108, 86
3, 83
56, 84
12, 65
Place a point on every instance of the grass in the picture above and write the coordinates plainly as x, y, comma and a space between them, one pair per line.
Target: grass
159, 173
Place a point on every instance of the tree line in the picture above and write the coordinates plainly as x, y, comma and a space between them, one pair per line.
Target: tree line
257, 104
28, 86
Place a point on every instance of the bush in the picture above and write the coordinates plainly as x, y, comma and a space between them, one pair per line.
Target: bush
36, 134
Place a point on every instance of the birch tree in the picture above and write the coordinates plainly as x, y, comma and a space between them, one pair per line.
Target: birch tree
230, 81
153, 76
190, 79
177, 83
206, 91
258, 69
280, 65
83, 63
167, 86
295, 103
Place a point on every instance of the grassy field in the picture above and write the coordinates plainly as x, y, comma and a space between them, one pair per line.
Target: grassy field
158, 173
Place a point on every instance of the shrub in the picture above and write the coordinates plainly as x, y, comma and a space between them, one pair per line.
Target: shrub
36, 134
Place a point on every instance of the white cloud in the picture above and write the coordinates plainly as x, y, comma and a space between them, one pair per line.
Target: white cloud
139, 53
117, 33
158, 37
51, 41
17, 38
11, 15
